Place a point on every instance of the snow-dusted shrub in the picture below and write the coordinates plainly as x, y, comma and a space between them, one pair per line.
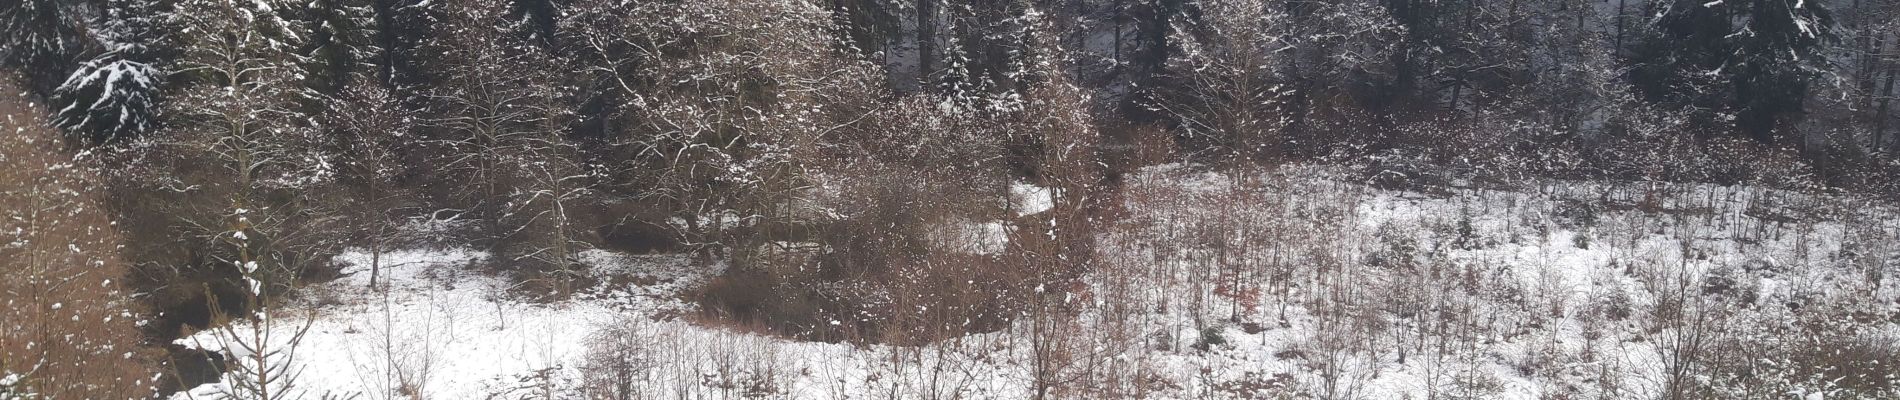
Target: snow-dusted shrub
637, 358
1257, 385
915, 232
874, 272
726, 108
1825, 349
621, 361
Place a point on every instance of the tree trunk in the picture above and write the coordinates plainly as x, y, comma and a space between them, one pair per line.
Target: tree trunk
1880, 116
926, 40
375, 258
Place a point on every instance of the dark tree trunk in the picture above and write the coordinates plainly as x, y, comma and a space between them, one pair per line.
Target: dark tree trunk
926, 40
1880, 116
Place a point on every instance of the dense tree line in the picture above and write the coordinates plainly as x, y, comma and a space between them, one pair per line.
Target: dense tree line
1815, 76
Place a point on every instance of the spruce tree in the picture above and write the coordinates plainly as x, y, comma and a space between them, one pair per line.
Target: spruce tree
1747, 62
114, 96
42, 38
341, 45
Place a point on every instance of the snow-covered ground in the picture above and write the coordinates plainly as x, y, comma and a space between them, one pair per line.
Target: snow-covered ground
1298, 283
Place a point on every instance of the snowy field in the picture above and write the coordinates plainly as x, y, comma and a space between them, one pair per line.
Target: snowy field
1299, 284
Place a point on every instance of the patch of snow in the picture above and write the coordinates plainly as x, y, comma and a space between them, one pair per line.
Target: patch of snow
1027, 199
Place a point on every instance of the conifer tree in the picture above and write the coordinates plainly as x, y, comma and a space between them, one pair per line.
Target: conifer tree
1748, 61
43, 38
114, 96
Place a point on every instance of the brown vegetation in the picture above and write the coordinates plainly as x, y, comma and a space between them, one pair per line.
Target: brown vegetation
66, 329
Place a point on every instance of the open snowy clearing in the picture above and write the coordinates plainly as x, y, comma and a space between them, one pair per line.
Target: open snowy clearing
1530, 276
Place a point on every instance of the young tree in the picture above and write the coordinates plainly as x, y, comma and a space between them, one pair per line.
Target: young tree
241, 110
372, 128
1325, 53
252, 161
505, 112
722, 108
547, 203
1066, 162
1252, 82
1228, 95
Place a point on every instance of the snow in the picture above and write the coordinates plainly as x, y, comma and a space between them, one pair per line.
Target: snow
1528, 260
1029, 199
1513, 235
450, 331
971, 237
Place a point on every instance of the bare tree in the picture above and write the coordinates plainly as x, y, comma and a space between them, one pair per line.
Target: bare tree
1229, 96
546, 204
503, 114
261, 157
724, 110
372, 126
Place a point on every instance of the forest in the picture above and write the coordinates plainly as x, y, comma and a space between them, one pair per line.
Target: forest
949, 199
